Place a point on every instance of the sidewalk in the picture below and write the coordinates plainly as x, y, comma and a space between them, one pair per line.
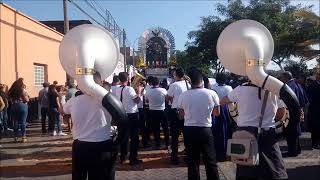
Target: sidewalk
49, 157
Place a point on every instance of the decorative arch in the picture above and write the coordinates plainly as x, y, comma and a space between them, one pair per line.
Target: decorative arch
167, 42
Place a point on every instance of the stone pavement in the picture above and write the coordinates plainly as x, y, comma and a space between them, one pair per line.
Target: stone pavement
49, 157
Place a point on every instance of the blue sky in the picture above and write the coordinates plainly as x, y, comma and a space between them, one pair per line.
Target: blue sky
178, 16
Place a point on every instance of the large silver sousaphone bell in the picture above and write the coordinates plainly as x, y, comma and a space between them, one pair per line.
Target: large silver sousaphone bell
245, 47
87, 49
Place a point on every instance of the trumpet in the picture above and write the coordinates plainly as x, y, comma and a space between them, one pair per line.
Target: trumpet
187, 78
136, 81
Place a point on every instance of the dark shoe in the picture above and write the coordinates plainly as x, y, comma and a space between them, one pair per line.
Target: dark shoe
135, 162
175, 161
315, 146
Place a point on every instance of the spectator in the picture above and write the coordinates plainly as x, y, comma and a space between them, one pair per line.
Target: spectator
44, 104
4, 112
54, 107
313, 92
293, 133
221, 125
19, 110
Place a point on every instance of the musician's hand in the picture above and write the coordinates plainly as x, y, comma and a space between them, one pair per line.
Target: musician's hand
140, 88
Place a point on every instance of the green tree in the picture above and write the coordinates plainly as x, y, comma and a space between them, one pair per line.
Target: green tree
287, 24
186, 61
297, 68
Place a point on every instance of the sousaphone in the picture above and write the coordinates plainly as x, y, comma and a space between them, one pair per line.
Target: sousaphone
87, 49
245, 47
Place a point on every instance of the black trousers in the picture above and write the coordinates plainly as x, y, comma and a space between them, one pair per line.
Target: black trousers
44, 115
144, 116
51, 121
199, 140
134, 138
271, 164
293, 145
176, 126
93, 160
158, 117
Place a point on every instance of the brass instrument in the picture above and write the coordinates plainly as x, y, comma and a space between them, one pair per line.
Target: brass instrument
136, 82
187, 78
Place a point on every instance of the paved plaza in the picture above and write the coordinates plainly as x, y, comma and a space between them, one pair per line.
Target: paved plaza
49, 157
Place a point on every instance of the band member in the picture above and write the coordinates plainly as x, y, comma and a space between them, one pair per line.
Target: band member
92, 145
141, 110
129, 98
271, 165
221, 127
293, 133
197, 105
175, 89
147, 127
115, 83
156, 98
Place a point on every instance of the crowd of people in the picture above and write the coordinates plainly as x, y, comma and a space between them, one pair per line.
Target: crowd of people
14, 109
188, 105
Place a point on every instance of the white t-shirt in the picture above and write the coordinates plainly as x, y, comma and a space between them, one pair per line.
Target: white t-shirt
156, 98
91, 121
128, 95
198, 105
114, 88
250, 106
175, 89
222, 91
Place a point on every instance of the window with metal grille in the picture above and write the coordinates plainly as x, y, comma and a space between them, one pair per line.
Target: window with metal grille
39, 74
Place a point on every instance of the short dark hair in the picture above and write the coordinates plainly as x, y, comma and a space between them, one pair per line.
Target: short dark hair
155, 81
149, 79
115, 79
287, 75
123, 76
221, 78
179, 72
195, 76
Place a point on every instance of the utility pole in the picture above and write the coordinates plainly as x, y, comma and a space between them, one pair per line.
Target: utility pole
66, 29
65, 15
125, 50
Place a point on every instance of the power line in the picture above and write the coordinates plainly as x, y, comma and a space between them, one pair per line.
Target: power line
83, 11
95, 9
109, 22
99, 6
